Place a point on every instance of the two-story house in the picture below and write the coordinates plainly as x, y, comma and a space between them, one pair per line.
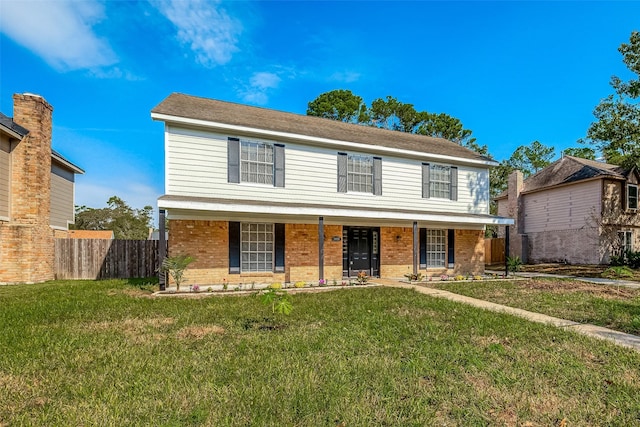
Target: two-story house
574, 210
36, 192
262, 195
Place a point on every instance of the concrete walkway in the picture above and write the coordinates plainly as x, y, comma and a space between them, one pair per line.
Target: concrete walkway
597, 280
619, 338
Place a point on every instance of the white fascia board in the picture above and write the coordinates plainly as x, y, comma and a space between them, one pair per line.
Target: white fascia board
11, 132
330, 212
317, 140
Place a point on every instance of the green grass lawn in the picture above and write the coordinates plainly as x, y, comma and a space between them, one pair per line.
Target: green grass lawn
105, 353
609, 306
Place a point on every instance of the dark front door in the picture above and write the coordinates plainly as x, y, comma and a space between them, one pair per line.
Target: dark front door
360, 249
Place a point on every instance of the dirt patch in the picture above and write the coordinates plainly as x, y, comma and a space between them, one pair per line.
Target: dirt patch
199, 332
573, 286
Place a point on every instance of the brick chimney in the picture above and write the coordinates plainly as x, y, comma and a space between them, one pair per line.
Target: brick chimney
26, 241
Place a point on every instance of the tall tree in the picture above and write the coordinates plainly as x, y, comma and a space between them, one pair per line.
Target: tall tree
126, 222
531, 158
582, 152
616, 131
341, 105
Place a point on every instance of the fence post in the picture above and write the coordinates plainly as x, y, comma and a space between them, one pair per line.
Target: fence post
162, 250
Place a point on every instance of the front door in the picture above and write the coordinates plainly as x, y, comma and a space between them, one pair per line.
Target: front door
360, 252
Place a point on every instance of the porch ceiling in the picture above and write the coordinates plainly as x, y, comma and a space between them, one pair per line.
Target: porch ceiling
186, 207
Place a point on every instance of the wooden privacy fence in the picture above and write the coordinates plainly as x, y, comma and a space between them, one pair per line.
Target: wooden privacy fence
494, 250
105, 259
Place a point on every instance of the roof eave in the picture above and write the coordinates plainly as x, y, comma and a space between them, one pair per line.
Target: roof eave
58, 157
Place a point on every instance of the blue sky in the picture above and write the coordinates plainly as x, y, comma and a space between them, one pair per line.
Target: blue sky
512, 72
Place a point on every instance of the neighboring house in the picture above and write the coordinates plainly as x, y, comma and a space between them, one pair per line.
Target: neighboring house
575, 211
91, 234
36, 192
262, 195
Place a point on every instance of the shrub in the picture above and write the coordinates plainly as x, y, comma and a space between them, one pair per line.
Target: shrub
633, 259
413, 277
176, 265
514, 263
299, 284
460, 277
617, 272
276, 285
362, 278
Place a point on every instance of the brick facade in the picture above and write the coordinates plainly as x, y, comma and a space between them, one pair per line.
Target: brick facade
26, 241
208, 242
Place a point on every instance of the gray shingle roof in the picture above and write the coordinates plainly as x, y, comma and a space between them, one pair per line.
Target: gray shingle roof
191, 107
8, 123
569, 169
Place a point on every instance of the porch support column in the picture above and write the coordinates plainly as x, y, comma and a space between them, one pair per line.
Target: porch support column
415, 247
162, 250
506, 252
321, 248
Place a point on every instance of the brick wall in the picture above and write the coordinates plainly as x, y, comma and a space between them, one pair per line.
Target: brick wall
469, 252
26, 248
396, 251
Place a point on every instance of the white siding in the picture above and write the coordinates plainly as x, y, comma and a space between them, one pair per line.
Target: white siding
62, 209
562, 208
196, 165
5, 176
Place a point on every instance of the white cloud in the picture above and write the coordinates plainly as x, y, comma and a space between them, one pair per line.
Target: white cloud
259, 85
60, 32
345, 76
206, 28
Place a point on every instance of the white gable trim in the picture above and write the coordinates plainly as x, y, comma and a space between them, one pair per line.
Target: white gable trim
320, 141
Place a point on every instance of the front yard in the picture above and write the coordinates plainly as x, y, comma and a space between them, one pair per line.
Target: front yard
107, 353
603, 305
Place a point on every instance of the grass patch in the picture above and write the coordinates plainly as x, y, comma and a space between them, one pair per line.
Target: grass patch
96, 353
603, 305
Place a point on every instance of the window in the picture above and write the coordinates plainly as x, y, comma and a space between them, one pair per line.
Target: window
632, 196
360, 174
256, 247
256, 162
626, 242
440, 181
436, 243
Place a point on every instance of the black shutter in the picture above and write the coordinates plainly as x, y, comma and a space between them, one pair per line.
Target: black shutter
234, 248
278, 248
454, 183
278, 165
377, 176
425, 181
342, 172
233, 160
423, 248
451, 246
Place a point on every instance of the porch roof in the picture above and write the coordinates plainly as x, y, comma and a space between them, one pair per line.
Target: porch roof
183, 207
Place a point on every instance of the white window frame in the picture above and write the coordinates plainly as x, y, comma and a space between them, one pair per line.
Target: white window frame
436, 248
256, 162
626, 239
439, 181
360, 173
257, 247
631, 199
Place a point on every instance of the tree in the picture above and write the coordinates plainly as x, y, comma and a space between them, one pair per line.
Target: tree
582, 152
531, 158
616, 131
341, 105
126, 223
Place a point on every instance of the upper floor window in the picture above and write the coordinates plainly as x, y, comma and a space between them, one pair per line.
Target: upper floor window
439, 181
359, 173
255, 162
632, 196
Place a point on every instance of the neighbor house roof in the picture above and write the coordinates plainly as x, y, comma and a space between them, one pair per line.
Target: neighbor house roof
91, 234
57, 156
568, 170
213, 111
12, 127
